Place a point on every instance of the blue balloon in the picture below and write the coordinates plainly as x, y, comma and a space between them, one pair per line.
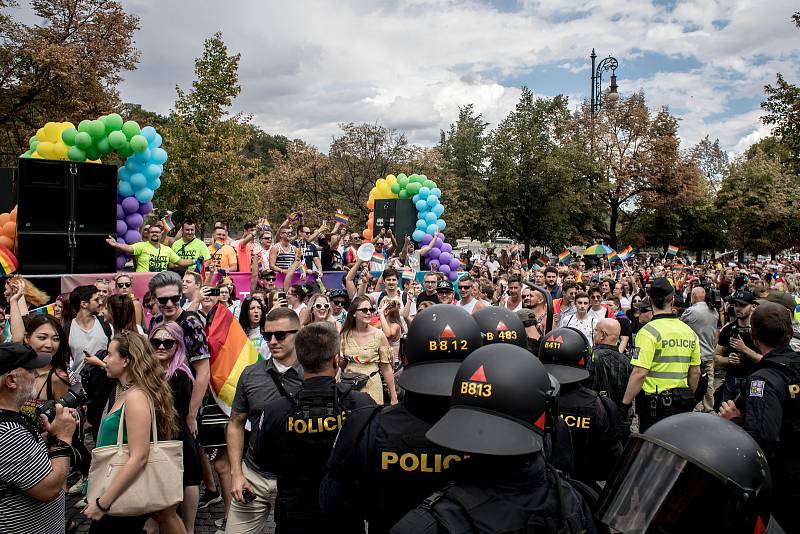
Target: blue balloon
124, 173
143, 156
421, 204
156, 142
415, 199
144, 195
430, 217
138, 181
422, 225
155, 184
424, 192
152, 171
149, 133
432, 229
441, 224
438, 209
124, 189
417, 235
436, 192
158, 155
432, 201
133, 166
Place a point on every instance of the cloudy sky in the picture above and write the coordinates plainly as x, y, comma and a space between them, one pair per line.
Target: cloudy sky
308, 65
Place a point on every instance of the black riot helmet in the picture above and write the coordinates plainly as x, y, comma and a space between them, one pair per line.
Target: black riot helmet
438, 340
565, 353
692, 472
499, 404
501, 325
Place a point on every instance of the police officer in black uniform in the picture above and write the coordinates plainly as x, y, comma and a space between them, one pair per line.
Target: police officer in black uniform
501, 325
691, 472
499, 412
295, 434
382, 465
770, 408
593, 420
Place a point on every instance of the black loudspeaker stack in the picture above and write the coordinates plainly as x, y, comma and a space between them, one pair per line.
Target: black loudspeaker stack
65, 211
399, 214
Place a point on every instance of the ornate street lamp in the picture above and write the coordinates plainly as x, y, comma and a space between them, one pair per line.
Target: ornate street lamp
609, 63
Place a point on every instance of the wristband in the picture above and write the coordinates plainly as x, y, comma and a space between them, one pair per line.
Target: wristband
100, 506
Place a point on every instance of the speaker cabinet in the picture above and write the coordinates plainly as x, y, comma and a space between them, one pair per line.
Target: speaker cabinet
399, 214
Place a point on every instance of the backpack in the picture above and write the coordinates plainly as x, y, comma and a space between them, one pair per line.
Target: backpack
610, 372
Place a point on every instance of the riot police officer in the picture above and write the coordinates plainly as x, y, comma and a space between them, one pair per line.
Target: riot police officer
382, 465
593, 420
501, 325
691, 472
295, 434
500, 410
770, 408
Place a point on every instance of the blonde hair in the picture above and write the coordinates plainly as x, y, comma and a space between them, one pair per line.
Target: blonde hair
147, 373
314, 298
33, 295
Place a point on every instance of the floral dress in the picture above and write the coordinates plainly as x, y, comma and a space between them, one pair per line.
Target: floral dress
365, 359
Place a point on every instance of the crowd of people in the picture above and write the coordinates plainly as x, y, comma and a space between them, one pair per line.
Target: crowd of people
445, 421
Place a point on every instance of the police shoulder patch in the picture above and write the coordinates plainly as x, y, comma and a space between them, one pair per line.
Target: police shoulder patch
756, 388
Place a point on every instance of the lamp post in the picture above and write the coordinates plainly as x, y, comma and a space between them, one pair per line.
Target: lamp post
609, 63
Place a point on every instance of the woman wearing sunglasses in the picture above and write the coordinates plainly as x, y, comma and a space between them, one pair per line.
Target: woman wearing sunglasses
320, 310
123, 285
366, 350
167, 342
252, 320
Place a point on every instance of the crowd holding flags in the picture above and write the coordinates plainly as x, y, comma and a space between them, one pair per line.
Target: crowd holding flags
672, 250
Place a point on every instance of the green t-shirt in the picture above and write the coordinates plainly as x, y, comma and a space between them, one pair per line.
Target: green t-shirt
191, 251
151, 259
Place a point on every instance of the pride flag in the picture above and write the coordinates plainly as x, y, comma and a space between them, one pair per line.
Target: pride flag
514, 249
167, 223
626, 254
8, 262
378, 257
408, 274
565, 257
47, 309
341, 218
231, 351
613, 256
672, 250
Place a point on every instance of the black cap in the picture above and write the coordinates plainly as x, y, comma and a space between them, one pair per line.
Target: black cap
661, 288
438, 340
444, 285
565, 353
498, 406
744, 297
334, 293
644, 305
501, 325
16, 355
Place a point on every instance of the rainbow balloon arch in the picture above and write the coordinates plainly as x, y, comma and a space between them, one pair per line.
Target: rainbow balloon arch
138, 178
425, 196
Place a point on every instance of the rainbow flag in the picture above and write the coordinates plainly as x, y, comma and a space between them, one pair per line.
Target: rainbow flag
626, 254
408, 274
167, 223
672, 250
341, 218
8, 262
231, 351
47, 309
613, 256
514, 249
378, 257
565, 257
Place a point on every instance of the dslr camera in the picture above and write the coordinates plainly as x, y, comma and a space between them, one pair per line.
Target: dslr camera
71, 399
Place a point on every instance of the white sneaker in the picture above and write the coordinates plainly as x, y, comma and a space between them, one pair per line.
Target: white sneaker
76, 488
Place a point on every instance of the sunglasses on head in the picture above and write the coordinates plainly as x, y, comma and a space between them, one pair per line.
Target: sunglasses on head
321, 306
166, 343
371, 309
123, 284
280, 335
174, 298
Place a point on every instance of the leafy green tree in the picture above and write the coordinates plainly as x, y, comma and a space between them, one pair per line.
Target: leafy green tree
712, 161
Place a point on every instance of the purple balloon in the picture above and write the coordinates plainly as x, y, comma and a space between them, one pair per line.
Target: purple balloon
426, 239
120, 240
120, 262
120, 211
132, 236
444, 269
145, 208
453, 276
134, 220
130, 205
447, 247
439, 242
121, 228
433, 264
445, 257
434, 253
454, 264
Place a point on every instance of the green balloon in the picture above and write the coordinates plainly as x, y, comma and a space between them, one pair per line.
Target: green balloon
401, 176
113, 122
413, 188
396, 189
125, 151
103, 146
131, 128
83, 140
32, 142
97, 129
68, 136
76, 154
430, 184
117, 139
403, 181
92, 153
138, 143
84, 126
27, 154
403, 193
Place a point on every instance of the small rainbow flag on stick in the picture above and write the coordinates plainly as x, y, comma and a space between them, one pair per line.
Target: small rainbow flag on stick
167, 223
378, 257
626, 254
341, 218
672, 250
47, 309
565, 257
408, 274
8, 262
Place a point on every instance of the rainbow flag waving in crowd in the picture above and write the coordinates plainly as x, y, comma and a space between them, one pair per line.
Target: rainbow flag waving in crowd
167, 223
8, 262
378, 257
672, 250
408, 274
47, 309
613, 256
341, 218
231, 351
565, 257
626, 254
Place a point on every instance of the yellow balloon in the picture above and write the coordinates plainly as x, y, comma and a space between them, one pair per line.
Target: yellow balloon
36, 155
40, 134
51, 131
45, 149
391, 180
60, 151
67, 125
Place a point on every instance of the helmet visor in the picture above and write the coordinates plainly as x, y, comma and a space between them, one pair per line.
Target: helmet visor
656, 491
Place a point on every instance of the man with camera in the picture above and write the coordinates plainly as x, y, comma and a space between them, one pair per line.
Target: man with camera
32, 472
736, 352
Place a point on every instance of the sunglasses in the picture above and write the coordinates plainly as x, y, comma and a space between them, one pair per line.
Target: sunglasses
123, 284
267, 237
168, 344
338, 302
321, 306
464, 288
174, 298
371, 309
280, 335
269, 278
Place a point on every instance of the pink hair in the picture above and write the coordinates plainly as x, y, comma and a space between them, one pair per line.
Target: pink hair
179, 360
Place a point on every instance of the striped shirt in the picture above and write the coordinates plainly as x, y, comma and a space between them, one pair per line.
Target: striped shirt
284, 259
23, 465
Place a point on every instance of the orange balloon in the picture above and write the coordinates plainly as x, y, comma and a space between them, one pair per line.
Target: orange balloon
368, 234
10, 229
7, 242
371, 203
14, 214
4, 218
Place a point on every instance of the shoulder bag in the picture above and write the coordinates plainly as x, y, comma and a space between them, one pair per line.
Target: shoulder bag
158, 486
